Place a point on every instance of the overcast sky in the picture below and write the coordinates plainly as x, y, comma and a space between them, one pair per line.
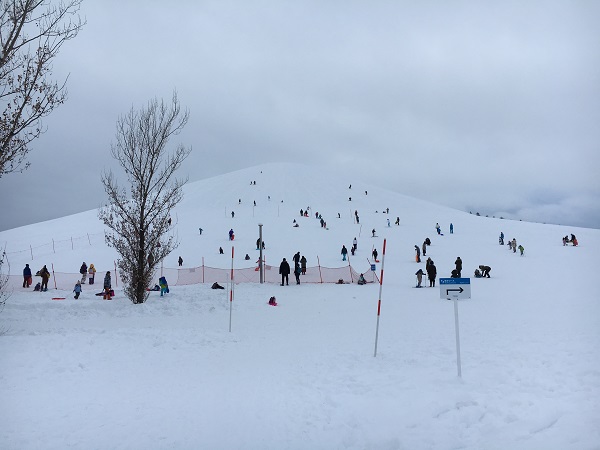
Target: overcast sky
490, 107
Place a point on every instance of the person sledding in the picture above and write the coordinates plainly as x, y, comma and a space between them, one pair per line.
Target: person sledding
216, 285
231, 235
273, 301
361, 279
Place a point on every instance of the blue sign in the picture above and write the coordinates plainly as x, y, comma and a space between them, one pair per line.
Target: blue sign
455, 288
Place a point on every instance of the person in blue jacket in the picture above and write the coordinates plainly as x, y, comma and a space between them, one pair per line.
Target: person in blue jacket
26, 276
164, 286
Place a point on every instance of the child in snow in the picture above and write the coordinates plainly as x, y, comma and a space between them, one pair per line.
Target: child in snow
164, 286
77, 289
418, 256
361, 279
91, 273
521, 249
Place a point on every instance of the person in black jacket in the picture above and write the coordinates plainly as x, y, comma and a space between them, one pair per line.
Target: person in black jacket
26, 276
83, 271
458, 263
485, 271
431, 273
284, 270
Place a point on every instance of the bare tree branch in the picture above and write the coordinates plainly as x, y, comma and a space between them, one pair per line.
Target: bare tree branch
31, 35
139, 219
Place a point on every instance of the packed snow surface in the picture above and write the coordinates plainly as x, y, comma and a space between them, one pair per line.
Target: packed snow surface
169, 374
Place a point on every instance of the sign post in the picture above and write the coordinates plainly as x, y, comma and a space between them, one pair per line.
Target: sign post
455, 288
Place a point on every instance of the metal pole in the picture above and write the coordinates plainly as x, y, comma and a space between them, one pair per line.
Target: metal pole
457, 337
231, 291
260, 257
379, 302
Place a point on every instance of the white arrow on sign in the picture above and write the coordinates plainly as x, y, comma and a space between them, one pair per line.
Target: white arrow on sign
455, 288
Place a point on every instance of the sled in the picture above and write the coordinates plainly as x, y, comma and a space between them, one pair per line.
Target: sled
58, 298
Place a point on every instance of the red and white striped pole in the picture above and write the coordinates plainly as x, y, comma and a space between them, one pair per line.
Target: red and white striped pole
231, 291
379, 302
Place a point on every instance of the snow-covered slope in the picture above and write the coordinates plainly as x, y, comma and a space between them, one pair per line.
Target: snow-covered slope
169, 374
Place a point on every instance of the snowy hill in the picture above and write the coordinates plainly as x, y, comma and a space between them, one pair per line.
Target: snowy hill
169, 374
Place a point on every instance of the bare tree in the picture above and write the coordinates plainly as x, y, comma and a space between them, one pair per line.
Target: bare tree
31, 35
139, 220
4, 294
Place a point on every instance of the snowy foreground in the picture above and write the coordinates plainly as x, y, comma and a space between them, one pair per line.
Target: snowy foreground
168, 374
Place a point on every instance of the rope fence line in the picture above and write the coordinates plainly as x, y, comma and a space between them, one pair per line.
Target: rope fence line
198, 275
73, 242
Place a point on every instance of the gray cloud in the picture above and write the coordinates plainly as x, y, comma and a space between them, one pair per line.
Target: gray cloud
482, 106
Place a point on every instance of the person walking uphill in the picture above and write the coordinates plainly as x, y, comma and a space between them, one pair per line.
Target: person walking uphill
431, 273
418, 255
26, 276
344, 252
284, 271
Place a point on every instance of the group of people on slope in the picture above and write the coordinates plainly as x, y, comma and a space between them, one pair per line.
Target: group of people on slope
299, 269
431, 273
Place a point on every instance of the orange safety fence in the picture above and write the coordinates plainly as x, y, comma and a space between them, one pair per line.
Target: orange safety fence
200, 275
